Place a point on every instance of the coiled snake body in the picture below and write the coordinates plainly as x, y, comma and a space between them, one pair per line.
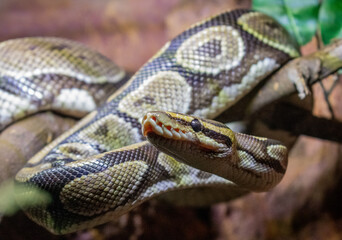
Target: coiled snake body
103, 167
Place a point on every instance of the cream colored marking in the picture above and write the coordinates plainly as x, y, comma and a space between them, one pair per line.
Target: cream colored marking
171, 165
260, 138
14, 107
230, 95
37, 51
248, 162
161, 187
74, 99
68, 72
84, 150
231, 47
166, 89
118, 133
210, 142
103, 190
243, 21
95, 158
174, 168
182, 172
276, 86
27, 173
277, 152
184, 177
219, 129
184, 117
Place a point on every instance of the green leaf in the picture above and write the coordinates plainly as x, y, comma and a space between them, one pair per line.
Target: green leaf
299, 17
13, 195
330, 20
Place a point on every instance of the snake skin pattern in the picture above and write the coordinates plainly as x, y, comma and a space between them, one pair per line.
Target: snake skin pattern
213, 147
39, 73
103, 167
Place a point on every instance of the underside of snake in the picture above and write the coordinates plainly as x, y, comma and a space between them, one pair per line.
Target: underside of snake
104, 167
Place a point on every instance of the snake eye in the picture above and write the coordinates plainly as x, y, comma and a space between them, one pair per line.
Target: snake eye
196, 125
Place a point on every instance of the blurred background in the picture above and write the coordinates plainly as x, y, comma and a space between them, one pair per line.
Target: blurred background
129, 32
307, 203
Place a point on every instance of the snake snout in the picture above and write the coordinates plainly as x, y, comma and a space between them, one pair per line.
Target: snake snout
160, 124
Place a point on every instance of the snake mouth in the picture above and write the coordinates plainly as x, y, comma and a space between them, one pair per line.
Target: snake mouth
160, 124
151, 124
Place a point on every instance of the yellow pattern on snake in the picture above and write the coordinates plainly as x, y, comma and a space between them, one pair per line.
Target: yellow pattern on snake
103, 167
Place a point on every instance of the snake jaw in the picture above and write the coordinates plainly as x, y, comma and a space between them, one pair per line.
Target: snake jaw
162, 124
151, 123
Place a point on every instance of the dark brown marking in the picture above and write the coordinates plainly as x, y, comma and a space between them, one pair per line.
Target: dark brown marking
203, 175
276, 165
272, 25
73, 150
146, 99
33, 47
208, 132
217, 124
82, 57
211, 48
251, 172
217, 136
102, 130
59, 47
181, 121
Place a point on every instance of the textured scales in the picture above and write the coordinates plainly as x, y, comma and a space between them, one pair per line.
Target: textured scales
212, 147
103, 161
40, 73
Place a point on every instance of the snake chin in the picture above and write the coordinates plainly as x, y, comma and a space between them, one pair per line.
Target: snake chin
177, 149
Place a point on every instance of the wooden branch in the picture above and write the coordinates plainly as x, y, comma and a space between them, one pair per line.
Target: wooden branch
299, 121
20, 141
297, 76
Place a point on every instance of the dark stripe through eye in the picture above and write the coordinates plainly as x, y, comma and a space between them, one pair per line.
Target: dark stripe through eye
196, 125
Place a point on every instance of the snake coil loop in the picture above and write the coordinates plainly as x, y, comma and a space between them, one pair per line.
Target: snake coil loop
103, 167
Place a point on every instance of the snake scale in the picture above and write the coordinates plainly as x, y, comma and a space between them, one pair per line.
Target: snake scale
104, 167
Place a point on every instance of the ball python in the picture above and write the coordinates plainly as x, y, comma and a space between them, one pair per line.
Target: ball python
104, 167
47, 73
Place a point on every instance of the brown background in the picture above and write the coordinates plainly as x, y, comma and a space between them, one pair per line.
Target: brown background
305, 205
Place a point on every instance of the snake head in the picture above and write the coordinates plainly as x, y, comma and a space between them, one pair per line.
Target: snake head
189, 139
252, 162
